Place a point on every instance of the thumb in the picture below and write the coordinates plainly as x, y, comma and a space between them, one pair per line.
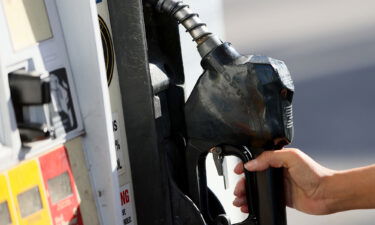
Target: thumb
276, 159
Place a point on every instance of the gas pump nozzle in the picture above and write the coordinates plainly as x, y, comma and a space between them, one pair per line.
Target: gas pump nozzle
241, 105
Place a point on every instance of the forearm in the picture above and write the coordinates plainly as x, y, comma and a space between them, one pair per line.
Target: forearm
351, 189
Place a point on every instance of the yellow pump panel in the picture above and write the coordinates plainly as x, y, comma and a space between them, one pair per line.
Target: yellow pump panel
29, 194
7, 214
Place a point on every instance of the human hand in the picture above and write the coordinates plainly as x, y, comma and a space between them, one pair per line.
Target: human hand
304, 180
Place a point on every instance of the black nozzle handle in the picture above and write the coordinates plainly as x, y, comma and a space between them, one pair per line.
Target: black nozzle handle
271, 200
264, 191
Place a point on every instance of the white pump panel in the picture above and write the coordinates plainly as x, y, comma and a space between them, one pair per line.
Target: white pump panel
60, 40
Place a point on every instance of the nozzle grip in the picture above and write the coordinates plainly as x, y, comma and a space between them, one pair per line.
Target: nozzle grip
264, 191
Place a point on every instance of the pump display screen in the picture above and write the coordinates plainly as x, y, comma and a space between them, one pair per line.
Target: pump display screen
4, 214
30, 202
59, 187
27, 22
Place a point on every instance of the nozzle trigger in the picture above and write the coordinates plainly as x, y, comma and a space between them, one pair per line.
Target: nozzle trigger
221, 165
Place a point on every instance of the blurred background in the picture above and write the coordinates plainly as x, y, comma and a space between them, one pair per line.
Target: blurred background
329, 48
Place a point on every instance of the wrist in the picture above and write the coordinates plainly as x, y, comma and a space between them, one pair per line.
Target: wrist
320, 199
325, 193
332, 191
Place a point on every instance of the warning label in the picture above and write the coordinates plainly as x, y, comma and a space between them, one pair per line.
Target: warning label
126, 205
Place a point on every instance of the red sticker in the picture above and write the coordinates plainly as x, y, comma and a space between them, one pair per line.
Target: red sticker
62, 192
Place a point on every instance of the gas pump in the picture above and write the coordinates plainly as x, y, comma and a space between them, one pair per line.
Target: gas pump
57, 154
